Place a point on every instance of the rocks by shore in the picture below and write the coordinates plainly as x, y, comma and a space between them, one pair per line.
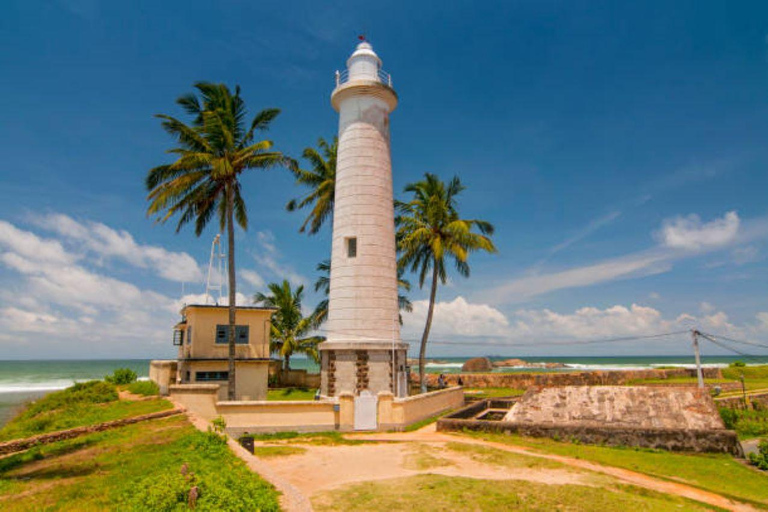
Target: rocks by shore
519, 363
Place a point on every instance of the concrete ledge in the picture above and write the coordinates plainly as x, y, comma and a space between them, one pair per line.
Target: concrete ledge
194, 388
705, 440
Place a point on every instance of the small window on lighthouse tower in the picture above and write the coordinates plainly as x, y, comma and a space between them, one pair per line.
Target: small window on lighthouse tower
351, 247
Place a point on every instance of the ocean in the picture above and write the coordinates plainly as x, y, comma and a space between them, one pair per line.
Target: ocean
22, 381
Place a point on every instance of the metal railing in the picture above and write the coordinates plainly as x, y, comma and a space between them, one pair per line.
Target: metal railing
385, 78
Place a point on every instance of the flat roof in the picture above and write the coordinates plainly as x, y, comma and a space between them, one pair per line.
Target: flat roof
246, 308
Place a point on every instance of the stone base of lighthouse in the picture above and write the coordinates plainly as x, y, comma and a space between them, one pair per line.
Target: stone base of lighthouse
352, 367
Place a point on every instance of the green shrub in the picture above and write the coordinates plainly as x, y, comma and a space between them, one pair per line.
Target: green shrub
737, 364
122, 376
94, 392
144, 388
217, 475
760, 459
730, 417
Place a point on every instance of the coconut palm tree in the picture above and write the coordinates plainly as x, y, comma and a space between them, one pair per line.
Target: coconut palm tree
211, 153
321, 180
323, 284
289, 326
430, 231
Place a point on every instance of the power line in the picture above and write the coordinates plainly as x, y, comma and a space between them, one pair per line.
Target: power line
503, 345
726, 347
735, 340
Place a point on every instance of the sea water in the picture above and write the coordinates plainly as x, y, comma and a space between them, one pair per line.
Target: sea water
22, 381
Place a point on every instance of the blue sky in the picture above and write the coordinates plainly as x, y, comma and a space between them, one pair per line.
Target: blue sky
618, 147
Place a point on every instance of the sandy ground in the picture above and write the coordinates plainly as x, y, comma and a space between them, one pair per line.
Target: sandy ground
395, 455
322, 468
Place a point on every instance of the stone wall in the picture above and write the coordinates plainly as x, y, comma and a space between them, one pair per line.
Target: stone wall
398, 413
18, 445
717, 441
590, 378
641, 407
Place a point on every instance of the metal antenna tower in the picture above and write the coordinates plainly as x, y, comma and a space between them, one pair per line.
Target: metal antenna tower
216, 263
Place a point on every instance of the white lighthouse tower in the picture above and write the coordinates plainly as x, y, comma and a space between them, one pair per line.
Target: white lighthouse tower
363, 350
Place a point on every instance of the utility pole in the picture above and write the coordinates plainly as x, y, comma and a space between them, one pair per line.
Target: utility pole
695, 336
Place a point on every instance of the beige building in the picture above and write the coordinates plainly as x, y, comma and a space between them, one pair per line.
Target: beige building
202, 337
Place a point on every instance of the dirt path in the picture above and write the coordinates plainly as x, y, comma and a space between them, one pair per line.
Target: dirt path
394, 455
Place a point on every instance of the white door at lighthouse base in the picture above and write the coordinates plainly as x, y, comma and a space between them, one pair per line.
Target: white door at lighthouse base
365, 411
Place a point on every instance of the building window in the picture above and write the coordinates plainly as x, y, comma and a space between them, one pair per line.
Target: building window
178, 337
189, 335
352, 247
241, 334
211, 376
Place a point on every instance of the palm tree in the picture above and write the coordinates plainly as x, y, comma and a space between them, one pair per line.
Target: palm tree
289, 326
321, 180
211, 154
323, 284
429, 232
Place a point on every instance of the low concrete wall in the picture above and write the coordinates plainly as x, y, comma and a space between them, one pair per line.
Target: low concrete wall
589, 378
163, 373
199, 399
262, 416
399, 413
718, 441
704, 440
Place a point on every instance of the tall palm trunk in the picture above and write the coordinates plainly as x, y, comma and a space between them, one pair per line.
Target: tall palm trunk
425, 336
231, 392
287, 362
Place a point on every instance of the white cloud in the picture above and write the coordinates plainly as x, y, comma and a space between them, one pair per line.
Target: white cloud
252, 277
201, 298
641, 264
27, 245
270, 258
458, 317
110, 243
690, 233
706, 307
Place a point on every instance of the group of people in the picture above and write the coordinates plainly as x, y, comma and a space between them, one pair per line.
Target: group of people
442, 383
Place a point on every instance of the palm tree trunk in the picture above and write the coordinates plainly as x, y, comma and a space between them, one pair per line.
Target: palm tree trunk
287, 362
425, 336
231, 392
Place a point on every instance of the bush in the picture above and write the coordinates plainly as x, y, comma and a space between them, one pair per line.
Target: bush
760, 459
737, 364
746, 423
144, 388
94, 392
122, 376
730, 417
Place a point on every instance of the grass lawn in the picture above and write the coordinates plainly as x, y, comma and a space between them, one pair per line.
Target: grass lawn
137, 467
720, 474
314, 438
434, 492
291, 394
67, 409
493, 392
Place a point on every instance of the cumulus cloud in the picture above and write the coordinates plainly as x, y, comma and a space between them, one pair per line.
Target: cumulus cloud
457, 317
690, 233
252, 277
80, 311
110, 243
486, 329
269, 257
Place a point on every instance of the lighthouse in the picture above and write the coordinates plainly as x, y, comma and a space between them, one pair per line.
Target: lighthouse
363, 350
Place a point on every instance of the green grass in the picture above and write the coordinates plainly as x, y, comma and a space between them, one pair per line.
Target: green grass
747, 424
143, 387
314, 438
434, 492
693, 381
488, 455
137, 467
426, 421
721, 474
75, 408
277, 451
493, 392
291, 394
